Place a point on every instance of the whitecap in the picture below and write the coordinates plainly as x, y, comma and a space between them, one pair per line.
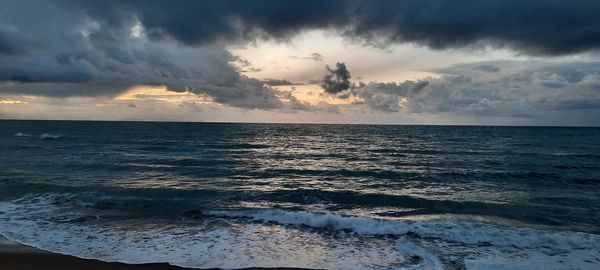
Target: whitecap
20, 134
48, 136
277, 238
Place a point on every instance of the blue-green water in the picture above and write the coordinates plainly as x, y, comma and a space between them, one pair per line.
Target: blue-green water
316, 196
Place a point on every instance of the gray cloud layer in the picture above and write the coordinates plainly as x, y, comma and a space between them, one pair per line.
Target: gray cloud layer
535, 27
510, 89
65, 48
388, 97
65, 52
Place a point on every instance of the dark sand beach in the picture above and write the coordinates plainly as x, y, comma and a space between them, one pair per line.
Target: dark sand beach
15, 256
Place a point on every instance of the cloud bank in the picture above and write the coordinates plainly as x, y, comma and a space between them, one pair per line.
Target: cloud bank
98, 48
504, 88
534, 27
67, 52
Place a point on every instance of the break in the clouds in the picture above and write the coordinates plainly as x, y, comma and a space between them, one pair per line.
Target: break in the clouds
66, 48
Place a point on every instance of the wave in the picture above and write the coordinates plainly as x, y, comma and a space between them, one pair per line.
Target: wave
580, 155
278, 238
496, 247
458, 231
48, 136
40, 222
20, 134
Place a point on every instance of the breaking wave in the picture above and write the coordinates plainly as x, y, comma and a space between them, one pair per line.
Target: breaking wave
278, 238
467, 232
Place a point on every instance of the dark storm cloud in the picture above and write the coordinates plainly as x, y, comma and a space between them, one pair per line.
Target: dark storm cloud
487, 68
200, 22
534, 27
64, 52
336, 80
12, 42
64, 48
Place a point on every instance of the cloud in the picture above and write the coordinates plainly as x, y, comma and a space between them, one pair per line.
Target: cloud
277, 82
487, 68
101, 48
529, 27
535, 89
533, 27
317, 57
13, 42
336, 80
73, 54
388, 97
245, 65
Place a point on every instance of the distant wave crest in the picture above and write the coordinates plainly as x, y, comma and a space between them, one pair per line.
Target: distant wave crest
48, 136
20, 134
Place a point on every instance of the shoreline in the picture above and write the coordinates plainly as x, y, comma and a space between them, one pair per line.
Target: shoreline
16, 256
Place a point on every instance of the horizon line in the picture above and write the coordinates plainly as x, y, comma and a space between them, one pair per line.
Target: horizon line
295, 123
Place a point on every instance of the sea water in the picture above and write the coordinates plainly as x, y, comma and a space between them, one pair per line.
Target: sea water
206, 195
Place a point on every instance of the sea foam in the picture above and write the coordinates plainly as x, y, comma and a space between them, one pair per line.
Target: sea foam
278, 238
467, 232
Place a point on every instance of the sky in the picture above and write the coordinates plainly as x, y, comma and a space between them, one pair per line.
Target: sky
465, 62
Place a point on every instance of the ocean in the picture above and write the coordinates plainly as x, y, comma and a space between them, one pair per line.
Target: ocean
223, 195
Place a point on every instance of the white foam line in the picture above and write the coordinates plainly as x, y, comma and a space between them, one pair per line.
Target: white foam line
460, 231
33, 221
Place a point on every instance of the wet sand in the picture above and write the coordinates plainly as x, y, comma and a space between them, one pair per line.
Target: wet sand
14, 256
19, 257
